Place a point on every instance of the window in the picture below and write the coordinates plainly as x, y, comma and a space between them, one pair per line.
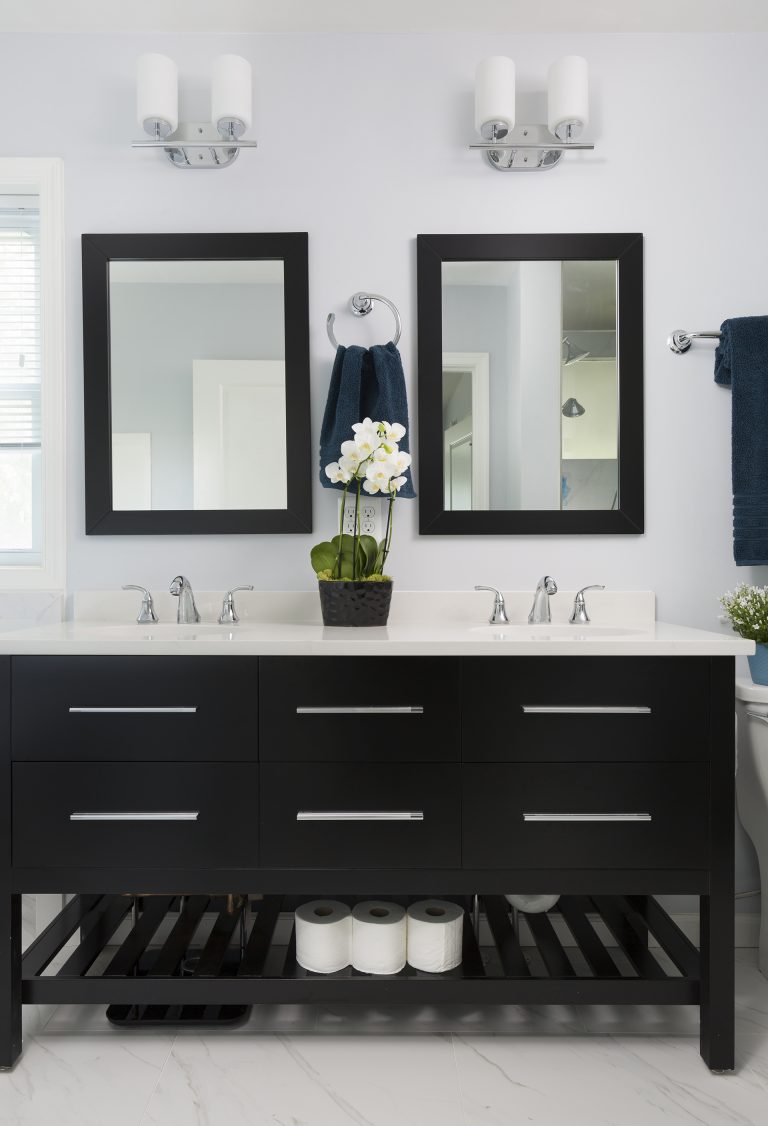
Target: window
31, 376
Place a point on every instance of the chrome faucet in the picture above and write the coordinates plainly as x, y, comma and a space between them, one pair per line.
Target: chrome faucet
499, 615
579, 613
147, 609
187, 612
228, 612
540, 612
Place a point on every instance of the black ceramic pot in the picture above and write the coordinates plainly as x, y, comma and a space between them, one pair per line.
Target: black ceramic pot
355, 604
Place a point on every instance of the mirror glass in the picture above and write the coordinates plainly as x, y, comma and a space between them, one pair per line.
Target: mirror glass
197, 384
530, 385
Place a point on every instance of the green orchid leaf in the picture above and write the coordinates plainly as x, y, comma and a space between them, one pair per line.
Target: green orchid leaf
323, 557
344, 543
366, 557
379, 564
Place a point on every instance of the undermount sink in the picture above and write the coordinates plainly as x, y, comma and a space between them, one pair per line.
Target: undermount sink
518, 631
158, 629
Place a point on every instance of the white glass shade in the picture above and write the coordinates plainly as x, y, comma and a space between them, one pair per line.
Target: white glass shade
495, 95
568, 101
231, 92
157, 93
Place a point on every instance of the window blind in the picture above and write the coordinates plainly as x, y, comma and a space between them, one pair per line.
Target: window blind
20, 338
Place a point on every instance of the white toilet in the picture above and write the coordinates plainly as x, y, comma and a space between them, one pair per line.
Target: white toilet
752, 786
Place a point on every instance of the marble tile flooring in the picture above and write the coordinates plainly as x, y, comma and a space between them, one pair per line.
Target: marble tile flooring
296, 1066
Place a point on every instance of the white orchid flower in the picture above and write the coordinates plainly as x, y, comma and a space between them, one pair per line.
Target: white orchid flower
350, 452
401, 460
366, 441
397, 483
384, 452
350, 465
370, 487
337, 473
380, 473
366, 424
393, 432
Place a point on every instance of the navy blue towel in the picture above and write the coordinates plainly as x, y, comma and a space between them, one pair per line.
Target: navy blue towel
364, 384
741, 363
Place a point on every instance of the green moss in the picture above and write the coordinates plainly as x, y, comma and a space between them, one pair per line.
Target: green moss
327, 577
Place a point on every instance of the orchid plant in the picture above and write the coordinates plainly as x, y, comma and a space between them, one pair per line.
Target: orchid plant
372, 462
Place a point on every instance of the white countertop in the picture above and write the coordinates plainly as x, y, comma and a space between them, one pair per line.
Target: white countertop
421, 624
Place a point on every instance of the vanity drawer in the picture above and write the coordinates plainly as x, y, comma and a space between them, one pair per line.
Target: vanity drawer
315, 709
371, 816
596, 815
157, 815
122, 708
593, 709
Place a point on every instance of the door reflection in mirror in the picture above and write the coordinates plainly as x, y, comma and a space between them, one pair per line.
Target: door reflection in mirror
530, 385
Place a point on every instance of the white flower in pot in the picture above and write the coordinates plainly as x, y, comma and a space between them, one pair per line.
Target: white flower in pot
372, 462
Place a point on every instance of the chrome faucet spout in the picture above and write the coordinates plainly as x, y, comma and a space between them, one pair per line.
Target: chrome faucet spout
187, 613
540, 611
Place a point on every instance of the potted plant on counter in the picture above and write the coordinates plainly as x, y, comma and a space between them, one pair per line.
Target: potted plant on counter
747, 609
354, 588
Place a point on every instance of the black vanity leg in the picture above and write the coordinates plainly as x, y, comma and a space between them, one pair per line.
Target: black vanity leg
717, 910
10, 979
717, 982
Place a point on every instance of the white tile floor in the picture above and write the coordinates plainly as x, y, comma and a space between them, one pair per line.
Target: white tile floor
296, 1066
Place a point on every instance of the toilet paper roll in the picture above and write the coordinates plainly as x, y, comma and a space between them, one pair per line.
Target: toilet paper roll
323, 935
435, 929
378, 937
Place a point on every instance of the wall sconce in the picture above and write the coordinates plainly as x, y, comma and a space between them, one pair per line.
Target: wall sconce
207, 144
530, 148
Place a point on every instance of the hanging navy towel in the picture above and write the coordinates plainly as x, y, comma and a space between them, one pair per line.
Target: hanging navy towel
364, 384
741, 363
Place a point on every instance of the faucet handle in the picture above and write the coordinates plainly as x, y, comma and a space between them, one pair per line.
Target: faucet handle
499, 615
147, 611
228, 612
579, 612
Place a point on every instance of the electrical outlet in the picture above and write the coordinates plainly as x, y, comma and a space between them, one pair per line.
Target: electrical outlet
368, 515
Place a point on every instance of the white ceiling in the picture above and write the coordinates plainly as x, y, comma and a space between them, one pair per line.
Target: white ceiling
384, 15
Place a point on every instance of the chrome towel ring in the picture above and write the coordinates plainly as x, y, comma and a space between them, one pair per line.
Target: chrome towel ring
360, 304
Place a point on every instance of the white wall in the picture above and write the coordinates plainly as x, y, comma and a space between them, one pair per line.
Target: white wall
378, 154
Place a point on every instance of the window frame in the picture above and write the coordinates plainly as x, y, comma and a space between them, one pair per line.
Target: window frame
44, 177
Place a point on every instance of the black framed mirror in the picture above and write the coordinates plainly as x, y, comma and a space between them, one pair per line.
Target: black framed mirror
530, 384
196, 384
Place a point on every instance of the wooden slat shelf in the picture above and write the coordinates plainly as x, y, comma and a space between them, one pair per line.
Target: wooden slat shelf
179, 978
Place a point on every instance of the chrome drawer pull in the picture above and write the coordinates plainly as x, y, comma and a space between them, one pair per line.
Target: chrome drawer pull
174, 815
587, 817
360, 815
123, 711
587, 709
375, 709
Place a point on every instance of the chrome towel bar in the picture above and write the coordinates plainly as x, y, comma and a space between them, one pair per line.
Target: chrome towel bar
680, 340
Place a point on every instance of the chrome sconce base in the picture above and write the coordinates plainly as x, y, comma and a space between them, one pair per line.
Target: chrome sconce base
527, 148
197, 145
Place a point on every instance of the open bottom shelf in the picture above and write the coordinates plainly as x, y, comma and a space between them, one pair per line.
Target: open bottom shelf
585, 950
